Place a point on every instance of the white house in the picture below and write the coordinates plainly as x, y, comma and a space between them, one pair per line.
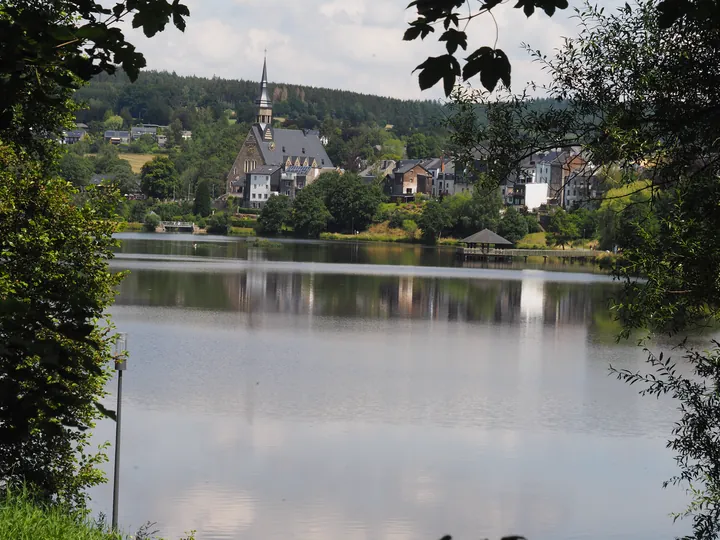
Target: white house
263, 182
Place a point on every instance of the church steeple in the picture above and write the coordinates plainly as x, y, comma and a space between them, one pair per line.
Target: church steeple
263, 103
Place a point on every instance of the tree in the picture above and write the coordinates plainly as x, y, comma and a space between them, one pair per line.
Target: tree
562, 228
513, 226
125, 181
51, 49
75, 169
218, 224
158, 178
532, 223
114, 122
152, 221
418, 147
433, 220
175, 134
203, 205
309, 214
275, 214
473, 212
54, 285
640, 92
351, 203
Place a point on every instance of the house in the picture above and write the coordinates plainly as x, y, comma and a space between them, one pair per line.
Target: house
73, 136
186, 135
410, 178
117, 137
581, 189
266, 145
262, 182
138, 131
161, 140
380, 169
295, 178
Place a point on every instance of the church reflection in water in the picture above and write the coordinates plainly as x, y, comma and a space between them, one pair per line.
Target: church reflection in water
256, 291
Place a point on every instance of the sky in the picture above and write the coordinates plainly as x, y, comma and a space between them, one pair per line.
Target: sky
348, 44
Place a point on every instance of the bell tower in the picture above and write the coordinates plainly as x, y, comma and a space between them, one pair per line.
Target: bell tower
263, 103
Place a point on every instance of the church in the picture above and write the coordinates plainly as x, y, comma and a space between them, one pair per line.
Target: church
297, 154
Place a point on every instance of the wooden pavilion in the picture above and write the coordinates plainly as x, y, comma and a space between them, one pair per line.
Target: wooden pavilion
485, 239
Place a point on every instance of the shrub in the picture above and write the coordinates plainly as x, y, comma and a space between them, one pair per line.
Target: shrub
218, 224
410, 228
152, 220
200, 222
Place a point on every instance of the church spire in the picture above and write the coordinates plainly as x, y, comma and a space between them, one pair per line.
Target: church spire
263, 103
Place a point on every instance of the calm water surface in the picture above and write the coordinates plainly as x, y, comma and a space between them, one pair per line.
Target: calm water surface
342, 391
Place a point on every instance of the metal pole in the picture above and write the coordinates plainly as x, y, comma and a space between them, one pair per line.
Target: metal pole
116, 476
120, 366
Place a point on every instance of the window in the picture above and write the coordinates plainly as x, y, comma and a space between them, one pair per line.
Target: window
266, 195
253, 195
440, 185
408, 191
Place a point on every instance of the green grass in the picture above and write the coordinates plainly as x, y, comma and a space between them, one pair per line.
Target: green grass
21, 519
125, 226
533, 241
240, 231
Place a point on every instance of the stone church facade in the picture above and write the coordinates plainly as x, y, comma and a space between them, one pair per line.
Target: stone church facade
266, 145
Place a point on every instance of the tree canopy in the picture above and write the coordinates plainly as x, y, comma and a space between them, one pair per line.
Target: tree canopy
639, 92
159, 178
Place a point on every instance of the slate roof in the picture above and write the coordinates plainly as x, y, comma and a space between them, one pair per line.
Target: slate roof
298, 169
116, 134
291, 142
265, 169
80, 125
75, 133
432, 164
407, 164
486, 236
552, 156
144, 130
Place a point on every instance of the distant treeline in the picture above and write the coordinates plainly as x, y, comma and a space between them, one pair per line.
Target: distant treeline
160, 97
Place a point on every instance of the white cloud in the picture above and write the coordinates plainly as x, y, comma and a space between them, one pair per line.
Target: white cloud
349, 44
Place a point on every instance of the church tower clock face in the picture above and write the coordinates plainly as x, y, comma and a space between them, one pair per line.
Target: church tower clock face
272, 145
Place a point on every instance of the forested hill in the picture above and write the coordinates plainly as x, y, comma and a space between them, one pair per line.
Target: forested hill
160, 97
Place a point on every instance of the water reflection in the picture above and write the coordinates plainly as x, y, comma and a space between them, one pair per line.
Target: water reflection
372, 296
270, 397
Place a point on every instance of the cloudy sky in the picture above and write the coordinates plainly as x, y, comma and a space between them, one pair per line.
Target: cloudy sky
349, 44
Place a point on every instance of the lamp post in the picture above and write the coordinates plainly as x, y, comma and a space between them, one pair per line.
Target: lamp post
120, 355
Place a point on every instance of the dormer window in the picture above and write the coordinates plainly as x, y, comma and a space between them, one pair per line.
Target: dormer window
303, 150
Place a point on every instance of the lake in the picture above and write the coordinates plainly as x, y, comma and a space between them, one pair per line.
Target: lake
370, 391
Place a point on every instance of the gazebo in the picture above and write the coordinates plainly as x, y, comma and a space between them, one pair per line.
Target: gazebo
485, 238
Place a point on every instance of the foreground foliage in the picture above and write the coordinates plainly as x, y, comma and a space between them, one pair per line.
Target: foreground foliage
55, 286
640, 92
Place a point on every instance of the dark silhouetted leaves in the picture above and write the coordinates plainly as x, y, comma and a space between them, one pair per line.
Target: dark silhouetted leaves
444, 67
453, 39
493, 65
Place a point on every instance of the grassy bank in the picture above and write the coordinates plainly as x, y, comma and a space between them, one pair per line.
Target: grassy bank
23, 519
20, 519
242, 231
132, 226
